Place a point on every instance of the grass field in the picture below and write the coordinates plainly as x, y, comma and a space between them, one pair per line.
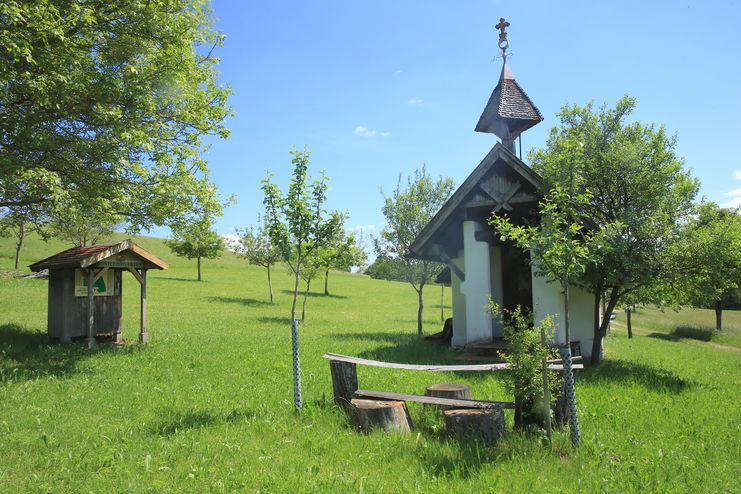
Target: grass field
207, 405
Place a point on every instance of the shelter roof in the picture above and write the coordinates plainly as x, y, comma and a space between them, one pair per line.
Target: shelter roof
500, 181
89, 255
509, 111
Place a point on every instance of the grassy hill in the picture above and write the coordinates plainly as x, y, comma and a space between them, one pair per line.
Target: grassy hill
207, 405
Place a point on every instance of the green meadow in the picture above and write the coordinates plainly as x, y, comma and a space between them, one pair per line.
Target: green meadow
207, 406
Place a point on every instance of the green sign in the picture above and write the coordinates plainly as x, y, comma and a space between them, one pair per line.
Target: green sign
103, 287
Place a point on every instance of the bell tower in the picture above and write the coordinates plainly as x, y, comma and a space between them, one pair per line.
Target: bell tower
509, 111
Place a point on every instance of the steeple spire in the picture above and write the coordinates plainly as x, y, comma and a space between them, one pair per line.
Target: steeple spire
509, 111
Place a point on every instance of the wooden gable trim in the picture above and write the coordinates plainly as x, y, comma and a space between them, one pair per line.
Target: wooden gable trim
126, 245
472, 182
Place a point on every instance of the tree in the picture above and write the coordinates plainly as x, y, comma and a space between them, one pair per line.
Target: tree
109, 100
342, 252
407, 212
296, 222
19, 222
633, 177
298, 226
711, 252
196, 240
255, 246
385, 268
560, 248
83, 224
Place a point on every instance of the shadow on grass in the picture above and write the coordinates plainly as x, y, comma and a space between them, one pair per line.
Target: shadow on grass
694, 333
651, 378
685, 332
248, 302
197, 419
315, 294
167, 278
274, 320
27, 354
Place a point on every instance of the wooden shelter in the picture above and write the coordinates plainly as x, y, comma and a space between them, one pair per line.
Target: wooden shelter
85, 289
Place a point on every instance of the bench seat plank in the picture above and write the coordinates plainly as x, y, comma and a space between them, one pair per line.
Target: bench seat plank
432, 400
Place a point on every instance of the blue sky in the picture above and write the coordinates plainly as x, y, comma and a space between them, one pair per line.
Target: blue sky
375, 89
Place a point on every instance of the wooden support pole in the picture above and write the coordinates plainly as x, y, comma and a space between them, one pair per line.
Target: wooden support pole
143, 332
90, 308
344, 382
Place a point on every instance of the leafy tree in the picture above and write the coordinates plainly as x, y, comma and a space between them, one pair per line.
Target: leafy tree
407, 212
341, 253
83, 224
296, 222
255, 246
710, 250
633, 177
196, 240
526, 357
19, 222
109, 100
385, 268
560, 249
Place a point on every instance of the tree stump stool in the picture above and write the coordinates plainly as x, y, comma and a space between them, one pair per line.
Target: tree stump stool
391, 416
449, 390
471, 424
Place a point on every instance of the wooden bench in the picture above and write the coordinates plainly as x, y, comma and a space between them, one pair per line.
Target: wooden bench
345, 379
432, 400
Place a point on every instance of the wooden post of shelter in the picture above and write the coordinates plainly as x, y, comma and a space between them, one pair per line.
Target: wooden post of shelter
90, 309
143, 332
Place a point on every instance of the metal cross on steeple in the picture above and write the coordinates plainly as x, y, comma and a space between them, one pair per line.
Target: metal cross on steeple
503, 43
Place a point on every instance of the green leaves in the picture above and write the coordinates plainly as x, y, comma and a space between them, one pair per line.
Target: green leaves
296, 222
111, 100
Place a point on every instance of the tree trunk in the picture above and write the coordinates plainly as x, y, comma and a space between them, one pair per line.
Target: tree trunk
19, 245
344, 382
629, 321
442, 303
303, 305
199, 268
295, 294
391, 416
270, 285
326, 282
601, 329
470, 425
449, 390
420, 309
718, 314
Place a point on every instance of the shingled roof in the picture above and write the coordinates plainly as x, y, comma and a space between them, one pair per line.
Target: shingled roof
87, 255
509, 111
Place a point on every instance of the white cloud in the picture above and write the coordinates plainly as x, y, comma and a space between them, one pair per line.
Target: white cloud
366, 132
232, 241
398, 72
735, 194
363, 228
415, 101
